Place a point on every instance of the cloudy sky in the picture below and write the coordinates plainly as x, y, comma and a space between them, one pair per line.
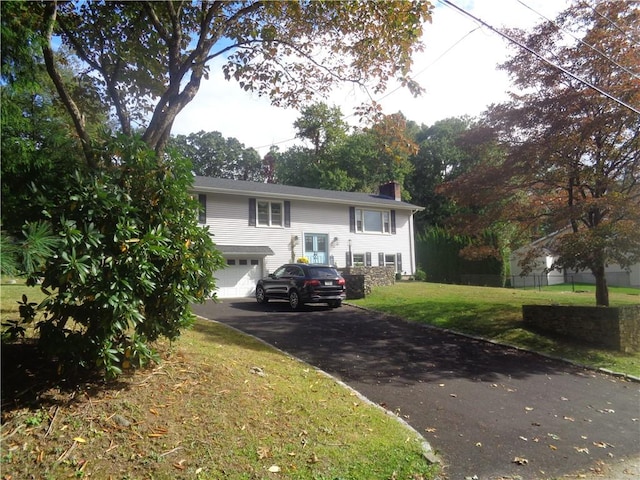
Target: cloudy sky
457, 69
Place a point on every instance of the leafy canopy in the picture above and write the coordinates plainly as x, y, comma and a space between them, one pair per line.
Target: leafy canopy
573, 160
149, 58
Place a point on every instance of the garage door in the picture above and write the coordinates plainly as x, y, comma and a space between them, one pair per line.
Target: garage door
239, 278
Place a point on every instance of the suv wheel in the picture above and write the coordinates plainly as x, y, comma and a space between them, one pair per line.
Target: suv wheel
294, 300
260, 296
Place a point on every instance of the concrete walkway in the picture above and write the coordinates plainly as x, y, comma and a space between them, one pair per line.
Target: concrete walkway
491, 412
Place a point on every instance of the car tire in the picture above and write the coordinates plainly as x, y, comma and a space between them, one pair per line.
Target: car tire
294, 300
260, 295
335, 303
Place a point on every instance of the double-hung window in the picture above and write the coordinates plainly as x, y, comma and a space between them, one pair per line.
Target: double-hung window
373, 221
269, 213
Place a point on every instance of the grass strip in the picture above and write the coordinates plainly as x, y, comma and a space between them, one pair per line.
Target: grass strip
496, 314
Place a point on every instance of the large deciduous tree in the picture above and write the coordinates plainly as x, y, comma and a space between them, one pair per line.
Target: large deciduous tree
151, 57
573, 165
213, 155
128, 256
441, 156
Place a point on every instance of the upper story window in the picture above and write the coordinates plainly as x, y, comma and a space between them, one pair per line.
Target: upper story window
375, 221
269, 213
363, 220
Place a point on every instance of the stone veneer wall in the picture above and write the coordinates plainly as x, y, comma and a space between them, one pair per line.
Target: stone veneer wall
360, 280
610, 327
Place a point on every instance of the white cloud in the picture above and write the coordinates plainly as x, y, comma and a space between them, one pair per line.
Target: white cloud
457, 70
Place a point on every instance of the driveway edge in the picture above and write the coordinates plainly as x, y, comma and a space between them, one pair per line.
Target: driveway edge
606, 371
427, 451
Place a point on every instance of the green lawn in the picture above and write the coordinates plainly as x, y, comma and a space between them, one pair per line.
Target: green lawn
219, 405
496, 314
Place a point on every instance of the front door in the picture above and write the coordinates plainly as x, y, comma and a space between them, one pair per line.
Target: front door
316, 247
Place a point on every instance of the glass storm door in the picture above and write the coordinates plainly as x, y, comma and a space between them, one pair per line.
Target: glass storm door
316, 247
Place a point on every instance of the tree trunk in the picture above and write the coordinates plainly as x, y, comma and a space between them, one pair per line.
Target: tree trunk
51, 11
602, 290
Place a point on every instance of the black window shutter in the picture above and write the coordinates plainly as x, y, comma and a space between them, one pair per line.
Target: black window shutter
348, 259
368, 259
252, 212
287, 213
399, 262
202, 217
393, 222
380, 259
352, 219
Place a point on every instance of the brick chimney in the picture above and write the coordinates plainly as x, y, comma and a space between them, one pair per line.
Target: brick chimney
391, 190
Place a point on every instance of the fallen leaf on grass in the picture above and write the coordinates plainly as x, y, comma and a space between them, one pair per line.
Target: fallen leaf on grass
158, 432
263, 452
274, 469
180, 465
79, 440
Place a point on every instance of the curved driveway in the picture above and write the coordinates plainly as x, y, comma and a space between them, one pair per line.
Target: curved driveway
490, 411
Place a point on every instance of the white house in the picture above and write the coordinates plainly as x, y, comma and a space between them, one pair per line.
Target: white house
542, 275
260, 226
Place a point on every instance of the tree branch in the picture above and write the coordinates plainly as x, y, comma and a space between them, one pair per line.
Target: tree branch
50, 14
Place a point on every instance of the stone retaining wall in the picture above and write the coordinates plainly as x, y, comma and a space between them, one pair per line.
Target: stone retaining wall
360, 280
616, 328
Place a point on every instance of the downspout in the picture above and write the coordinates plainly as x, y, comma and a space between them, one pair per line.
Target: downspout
412, 243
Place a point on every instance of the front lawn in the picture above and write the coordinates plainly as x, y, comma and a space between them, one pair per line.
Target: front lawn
496, 314
219, 405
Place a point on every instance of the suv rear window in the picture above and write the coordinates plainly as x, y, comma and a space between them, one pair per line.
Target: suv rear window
323, 272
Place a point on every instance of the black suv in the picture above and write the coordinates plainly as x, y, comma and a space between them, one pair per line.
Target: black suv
301, 283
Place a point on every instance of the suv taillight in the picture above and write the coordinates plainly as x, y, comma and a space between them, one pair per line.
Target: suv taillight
341, 281
311, 283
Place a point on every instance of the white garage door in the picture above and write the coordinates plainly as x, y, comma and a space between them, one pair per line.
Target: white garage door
239, 278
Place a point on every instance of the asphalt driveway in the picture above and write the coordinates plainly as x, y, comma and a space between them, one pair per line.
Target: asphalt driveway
490, 411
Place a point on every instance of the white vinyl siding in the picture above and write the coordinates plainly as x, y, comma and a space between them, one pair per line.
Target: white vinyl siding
227, 218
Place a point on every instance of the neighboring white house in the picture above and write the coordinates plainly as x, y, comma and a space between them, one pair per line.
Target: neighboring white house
259, 226
542, 275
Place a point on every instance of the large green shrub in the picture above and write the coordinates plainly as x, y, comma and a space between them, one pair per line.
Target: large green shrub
131, 259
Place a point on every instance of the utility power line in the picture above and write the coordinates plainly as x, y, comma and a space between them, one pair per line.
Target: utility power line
599, 52
539, 56
420, 72
614, 24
